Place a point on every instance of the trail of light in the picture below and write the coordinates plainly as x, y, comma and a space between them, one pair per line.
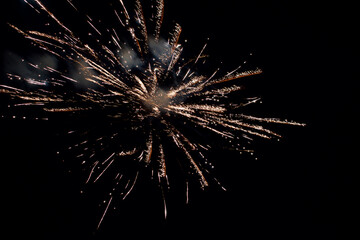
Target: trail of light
126, 12
97, 178
104, 213
132, 186
235, 76
158, 18
201, 52
92, 25
53, 16
32, 6
72, 4
177, 141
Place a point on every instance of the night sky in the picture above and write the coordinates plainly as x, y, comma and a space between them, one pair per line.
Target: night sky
309, 54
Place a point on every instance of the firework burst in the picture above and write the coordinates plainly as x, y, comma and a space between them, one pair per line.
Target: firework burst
144, 100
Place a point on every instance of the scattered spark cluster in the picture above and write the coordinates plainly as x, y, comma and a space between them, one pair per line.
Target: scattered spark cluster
152, 101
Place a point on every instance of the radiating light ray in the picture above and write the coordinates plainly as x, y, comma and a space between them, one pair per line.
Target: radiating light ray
159, 16
106, 209
32, 6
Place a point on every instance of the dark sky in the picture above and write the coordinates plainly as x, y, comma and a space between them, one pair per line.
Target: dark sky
309, 54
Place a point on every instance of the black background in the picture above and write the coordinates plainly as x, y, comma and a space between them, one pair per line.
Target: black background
296, 190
